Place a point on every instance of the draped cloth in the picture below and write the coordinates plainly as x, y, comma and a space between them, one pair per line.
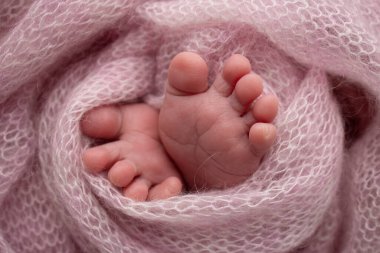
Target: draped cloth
58, 59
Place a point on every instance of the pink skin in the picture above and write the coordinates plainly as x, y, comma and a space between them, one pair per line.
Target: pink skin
213, 135
210, 131
134, 155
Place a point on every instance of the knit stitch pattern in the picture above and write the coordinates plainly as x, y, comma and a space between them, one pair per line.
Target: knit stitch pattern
59, 59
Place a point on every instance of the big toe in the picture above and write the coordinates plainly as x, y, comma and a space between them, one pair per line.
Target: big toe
102, 122
188, 74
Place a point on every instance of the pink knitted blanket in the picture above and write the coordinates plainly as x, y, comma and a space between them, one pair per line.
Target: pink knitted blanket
60, 58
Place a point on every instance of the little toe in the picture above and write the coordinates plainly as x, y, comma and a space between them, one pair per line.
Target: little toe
187, 74
102, 122
234, 68
104, 156
262, 137
170, 187
138, 190
122, 173
265, 109
247, 89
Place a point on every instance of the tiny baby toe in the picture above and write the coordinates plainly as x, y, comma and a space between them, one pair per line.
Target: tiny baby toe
138, 190
95, 159
102, 122
170, 187
104, 156
235, 67
122, 173
265, 109
262, 137
187, 75
247, 89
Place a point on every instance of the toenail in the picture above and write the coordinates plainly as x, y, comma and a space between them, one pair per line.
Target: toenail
133, 166
267, 132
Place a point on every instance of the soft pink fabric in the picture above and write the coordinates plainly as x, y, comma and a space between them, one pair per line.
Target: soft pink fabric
60, 58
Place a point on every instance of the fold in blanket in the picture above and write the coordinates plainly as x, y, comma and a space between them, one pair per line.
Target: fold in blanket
59, 59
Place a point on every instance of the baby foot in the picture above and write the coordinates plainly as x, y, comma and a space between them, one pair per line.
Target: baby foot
214, 135
133, 153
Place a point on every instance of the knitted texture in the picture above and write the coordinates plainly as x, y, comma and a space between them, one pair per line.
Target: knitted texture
59, 59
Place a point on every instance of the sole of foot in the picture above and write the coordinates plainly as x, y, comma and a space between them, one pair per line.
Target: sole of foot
217, 134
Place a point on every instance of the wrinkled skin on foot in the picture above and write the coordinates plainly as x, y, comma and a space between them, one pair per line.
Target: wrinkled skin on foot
214, 135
